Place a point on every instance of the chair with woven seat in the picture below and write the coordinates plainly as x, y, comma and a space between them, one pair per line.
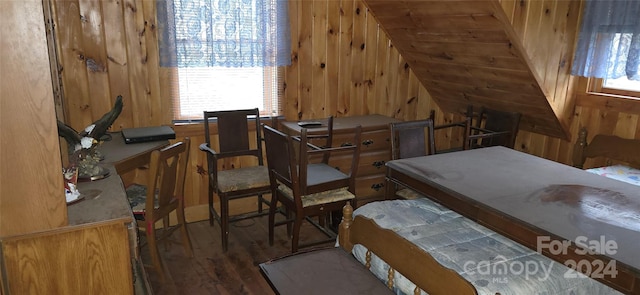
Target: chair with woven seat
410, 139
249, 177
307, 189
162, 195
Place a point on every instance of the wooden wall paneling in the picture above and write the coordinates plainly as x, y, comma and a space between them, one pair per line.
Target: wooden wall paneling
319, 96
372, 40
520, 14
637, 131
531, 35
160, 108
551, 148
136, 59
380, 83
332, 69
509, 7
95, 58
72, 59
403, 74
31, 189
292, 91
565, 147
626, 125
116, 47
358, 55
564, 100
305, 59
549, 35
391, 89
88, 259
345, 58
412, 99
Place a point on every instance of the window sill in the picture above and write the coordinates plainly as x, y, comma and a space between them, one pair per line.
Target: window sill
609, 102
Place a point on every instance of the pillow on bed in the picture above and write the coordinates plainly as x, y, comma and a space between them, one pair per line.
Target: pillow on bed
619, 172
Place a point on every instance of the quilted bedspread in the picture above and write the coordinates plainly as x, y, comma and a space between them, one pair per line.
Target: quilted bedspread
491, 262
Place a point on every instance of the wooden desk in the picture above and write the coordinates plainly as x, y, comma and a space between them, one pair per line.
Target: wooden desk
324, 271
106, 200
525, 197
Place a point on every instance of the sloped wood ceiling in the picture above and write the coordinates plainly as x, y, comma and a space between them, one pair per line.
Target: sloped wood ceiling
466, 52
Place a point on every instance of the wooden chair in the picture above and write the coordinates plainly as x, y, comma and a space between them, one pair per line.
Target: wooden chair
159, 197
463, 126
493, 128
410, 139
487, 127
305, 188
235, 142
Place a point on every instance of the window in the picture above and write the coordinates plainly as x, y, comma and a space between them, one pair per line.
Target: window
222, 88
227, 54
609, 42
622, 87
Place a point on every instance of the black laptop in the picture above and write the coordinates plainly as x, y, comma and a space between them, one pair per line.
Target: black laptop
145, 134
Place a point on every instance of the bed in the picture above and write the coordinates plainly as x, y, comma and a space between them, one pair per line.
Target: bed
463, 257
616, 157
470, 255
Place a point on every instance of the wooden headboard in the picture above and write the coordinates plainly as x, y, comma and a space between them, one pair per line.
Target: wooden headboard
403, 256
608, 146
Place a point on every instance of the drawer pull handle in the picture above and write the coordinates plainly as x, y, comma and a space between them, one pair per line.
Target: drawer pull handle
367, 142
346, 144
378, 164
377, 186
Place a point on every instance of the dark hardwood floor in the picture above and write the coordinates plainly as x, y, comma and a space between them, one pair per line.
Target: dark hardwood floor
211, 271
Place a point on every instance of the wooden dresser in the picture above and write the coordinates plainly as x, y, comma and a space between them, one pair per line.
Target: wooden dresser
375, 150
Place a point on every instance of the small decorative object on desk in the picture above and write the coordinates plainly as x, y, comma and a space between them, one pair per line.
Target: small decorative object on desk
82, 145
70, 181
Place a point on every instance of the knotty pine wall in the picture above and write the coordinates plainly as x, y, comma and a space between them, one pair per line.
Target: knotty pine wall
343, 65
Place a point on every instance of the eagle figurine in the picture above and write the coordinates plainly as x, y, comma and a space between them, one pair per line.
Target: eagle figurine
92, 133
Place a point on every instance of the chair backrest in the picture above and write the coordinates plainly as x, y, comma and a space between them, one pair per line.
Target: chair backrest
234, 134
281, 158
167, 173
412, 139
293, 169
505, 125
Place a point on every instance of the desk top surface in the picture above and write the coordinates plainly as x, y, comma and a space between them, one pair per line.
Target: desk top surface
116, 150
559, 199
105, 199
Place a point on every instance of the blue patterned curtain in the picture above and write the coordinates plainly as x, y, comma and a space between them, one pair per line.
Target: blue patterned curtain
609, 40
224, 33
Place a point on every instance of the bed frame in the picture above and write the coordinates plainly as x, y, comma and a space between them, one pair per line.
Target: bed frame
608, 146
403, 256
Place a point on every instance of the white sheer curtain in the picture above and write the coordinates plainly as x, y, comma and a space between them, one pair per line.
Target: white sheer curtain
224, 33
609, 40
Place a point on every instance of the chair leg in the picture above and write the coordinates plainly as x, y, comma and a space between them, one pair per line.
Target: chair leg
210, 205
153, 249
272, 217
296, 232
224, 222
186, 241
165, 228
289, 225
260, 200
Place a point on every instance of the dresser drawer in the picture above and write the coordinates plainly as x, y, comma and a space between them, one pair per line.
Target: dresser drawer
371, 186
370, 140
370, 163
